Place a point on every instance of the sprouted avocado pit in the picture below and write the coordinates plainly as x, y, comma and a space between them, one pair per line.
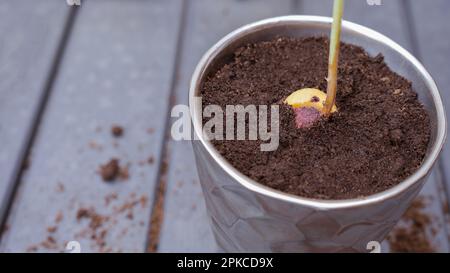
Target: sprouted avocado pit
310, 104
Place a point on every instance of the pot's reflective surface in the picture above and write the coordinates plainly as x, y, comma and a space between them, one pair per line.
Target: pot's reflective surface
247, 216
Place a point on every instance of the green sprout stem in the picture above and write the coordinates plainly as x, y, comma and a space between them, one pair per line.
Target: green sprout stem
338, 9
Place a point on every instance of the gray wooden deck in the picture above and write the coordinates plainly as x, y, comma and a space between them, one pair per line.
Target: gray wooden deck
68, 74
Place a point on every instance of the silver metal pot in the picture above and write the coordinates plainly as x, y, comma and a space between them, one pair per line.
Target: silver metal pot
247, 216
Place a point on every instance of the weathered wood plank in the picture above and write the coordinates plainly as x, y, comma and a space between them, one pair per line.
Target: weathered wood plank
390, 19
30, 33
186, 225
386, 18
117, 70
432, 32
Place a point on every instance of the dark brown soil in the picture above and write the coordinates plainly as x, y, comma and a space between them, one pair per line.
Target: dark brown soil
378, 137
117, 131
151, 160
111, 171
96, 225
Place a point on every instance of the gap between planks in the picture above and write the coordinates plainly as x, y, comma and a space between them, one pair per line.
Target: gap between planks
157, 211
32, 131
442, 176
132, 82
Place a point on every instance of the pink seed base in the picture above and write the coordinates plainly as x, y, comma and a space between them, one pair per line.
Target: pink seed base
306, 116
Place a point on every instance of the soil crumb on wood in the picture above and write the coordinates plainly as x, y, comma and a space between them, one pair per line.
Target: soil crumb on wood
117, 131
151, 160
97, 232
413, 237
112, 171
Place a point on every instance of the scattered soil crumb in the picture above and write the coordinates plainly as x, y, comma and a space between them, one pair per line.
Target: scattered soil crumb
95, 146
129, 205
117, 131
96, 220
110, 197
112, 171
150, 130
96, 223
151, 160
49, 243
412, 238
143, 200
83, 213
124, 232
100, 224
59, 217
130, 215
52, 229
124, 174
60, 187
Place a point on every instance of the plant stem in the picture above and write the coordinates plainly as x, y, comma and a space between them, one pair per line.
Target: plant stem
338, 9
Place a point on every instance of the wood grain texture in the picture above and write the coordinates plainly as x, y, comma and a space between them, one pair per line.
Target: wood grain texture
186, 224
117, 69
390, 19
429, 21
30, 33
387, 18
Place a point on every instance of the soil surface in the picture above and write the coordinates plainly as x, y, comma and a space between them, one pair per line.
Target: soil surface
377, 138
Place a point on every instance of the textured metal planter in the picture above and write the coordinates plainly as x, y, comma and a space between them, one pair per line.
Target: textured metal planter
247, 216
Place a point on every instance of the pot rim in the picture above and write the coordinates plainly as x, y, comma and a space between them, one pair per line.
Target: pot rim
252, 185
